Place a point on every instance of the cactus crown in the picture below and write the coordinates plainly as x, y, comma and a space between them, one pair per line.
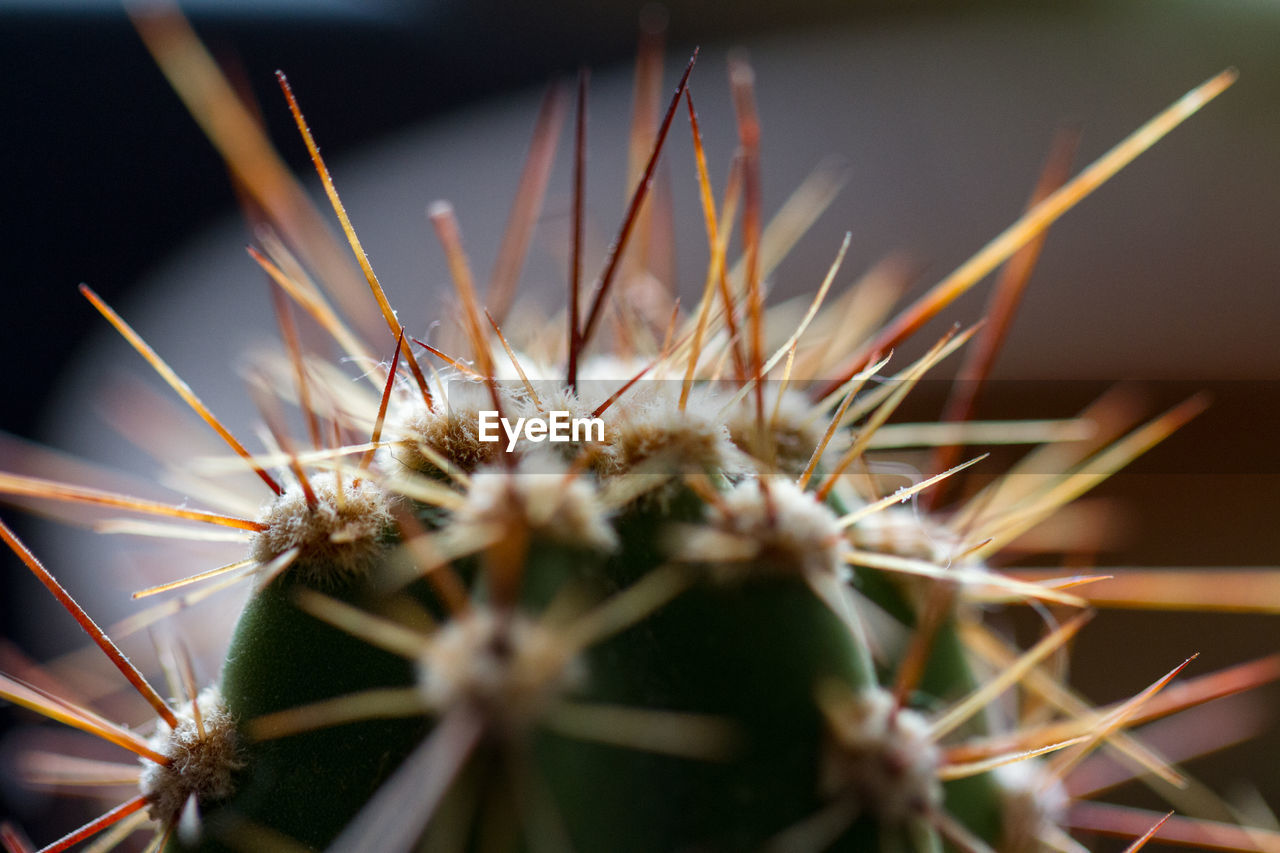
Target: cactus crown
707, 628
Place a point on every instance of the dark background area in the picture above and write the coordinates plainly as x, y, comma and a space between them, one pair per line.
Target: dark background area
105, 170
105, 173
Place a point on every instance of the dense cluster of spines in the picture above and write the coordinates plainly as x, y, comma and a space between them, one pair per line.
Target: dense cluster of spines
708, 631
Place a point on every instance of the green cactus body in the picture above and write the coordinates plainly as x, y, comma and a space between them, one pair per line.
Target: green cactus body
743, 645
282, 657
749, 651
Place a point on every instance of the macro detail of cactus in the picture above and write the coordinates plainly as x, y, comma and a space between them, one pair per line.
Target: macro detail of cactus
690, 615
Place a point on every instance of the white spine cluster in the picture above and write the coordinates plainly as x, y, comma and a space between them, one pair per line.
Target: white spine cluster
883, 757
541, 499
203, 756
789, 434
448, 432
1033, 804
341, 536
903, 531
502, 664
791, 529
653, 432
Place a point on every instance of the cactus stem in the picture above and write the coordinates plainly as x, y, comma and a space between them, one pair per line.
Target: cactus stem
506, 666
629, 606
957, 833
819, 830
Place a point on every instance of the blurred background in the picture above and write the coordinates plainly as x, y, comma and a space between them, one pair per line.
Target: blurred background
940, 113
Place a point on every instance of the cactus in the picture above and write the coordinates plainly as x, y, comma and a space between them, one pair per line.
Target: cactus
704, 627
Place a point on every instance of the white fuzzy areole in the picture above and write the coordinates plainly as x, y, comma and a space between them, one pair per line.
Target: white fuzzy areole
504, 665
651, 434
541, 499
450, 429
1031, 802
199, 765
886, 760
904, 532
336, 539
793, 531
791, 432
